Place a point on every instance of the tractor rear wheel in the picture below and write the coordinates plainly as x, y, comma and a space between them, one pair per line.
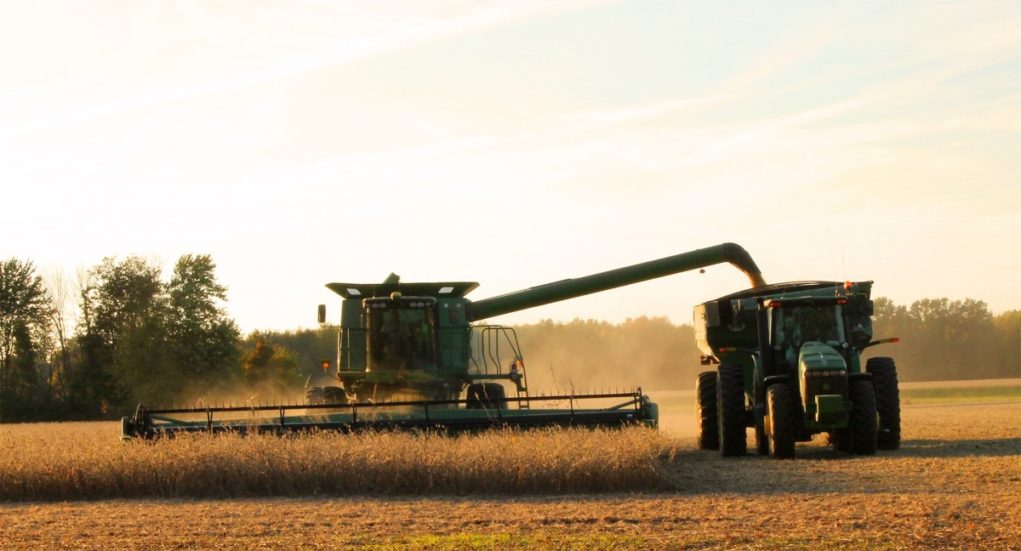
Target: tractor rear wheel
783, 425
884, 373
864, 424
486, 396
730, 409
708, 430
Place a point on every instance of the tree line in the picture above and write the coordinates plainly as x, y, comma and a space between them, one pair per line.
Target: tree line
120, 335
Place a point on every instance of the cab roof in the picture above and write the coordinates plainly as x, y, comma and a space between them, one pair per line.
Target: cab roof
438, 289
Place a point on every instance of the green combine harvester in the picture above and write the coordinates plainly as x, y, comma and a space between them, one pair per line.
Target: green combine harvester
789, 366
412, 355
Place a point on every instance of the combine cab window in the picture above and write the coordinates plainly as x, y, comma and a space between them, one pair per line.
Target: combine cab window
402, 338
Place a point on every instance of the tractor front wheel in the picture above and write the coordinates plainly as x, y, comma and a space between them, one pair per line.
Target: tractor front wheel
708, 430
730, 409
864, 425
761, 438
783, 426
884, 373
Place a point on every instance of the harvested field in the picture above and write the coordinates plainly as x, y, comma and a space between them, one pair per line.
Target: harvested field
956, 483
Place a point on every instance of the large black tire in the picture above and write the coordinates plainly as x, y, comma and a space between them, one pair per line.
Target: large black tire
731, 411
841, 440
314, 396
783, 423
708, 430
884, 373
486, 396
761, 438
864, 422
759, 413
334, 395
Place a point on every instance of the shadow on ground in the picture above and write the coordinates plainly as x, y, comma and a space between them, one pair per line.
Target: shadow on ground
819, 469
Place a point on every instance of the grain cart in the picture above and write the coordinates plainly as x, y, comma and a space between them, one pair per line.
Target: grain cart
412, 355
789, 366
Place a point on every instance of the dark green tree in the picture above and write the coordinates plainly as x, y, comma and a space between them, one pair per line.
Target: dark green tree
1008, 331
271, 370
124, 314
309, 347
940, 339
202, 341
24, 311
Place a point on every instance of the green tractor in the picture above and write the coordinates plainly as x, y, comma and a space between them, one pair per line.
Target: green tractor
789, 366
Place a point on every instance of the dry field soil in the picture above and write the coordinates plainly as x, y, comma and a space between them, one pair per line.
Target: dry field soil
956, 483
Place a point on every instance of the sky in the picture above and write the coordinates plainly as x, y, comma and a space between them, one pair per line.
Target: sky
515, 143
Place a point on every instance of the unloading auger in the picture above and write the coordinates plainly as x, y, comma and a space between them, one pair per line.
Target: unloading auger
412, 355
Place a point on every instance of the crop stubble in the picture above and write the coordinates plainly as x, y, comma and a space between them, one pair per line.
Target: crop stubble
955, 483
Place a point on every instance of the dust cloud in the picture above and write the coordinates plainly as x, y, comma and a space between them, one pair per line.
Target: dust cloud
588, 355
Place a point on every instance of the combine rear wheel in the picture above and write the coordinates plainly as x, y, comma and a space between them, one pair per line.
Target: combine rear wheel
884, 373
708, 435
731, 410
863, 423
783, 425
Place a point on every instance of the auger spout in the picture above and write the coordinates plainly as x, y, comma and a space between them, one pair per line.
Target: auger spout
571, 288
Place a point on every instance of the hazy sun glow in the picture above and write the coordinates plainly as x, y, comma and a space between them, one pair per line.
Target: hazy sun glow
515, 143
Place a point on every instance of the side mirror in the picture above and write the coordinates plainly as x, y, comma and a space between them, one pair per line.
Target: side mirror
322, 314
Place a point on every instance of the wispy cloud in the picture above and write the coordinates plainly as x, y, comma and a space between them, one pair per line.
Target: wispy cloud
144, 54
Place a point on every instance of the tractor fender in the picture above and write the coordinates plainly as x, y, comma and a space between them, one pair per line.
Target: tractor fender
773, 379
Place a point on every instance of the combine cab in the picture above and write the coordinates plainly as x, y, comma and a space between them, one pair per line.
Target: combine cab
789, 366
413, 355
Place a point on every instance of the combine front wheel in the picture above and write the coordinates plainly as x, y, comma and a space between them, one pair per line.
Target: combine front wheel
486, 396
731, 409
708, 435
314, 396
884, 373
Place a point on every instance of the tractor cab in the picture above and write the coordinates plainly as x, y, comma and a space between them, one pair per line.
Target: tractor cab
793, 323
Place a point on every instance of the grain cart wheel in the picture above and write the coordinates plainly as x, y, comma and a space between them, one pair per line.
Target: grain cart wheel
761, 438
708, 435
759, 414
884, 373
864, 423
783, 425
486, 396
840, 439
730, 409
